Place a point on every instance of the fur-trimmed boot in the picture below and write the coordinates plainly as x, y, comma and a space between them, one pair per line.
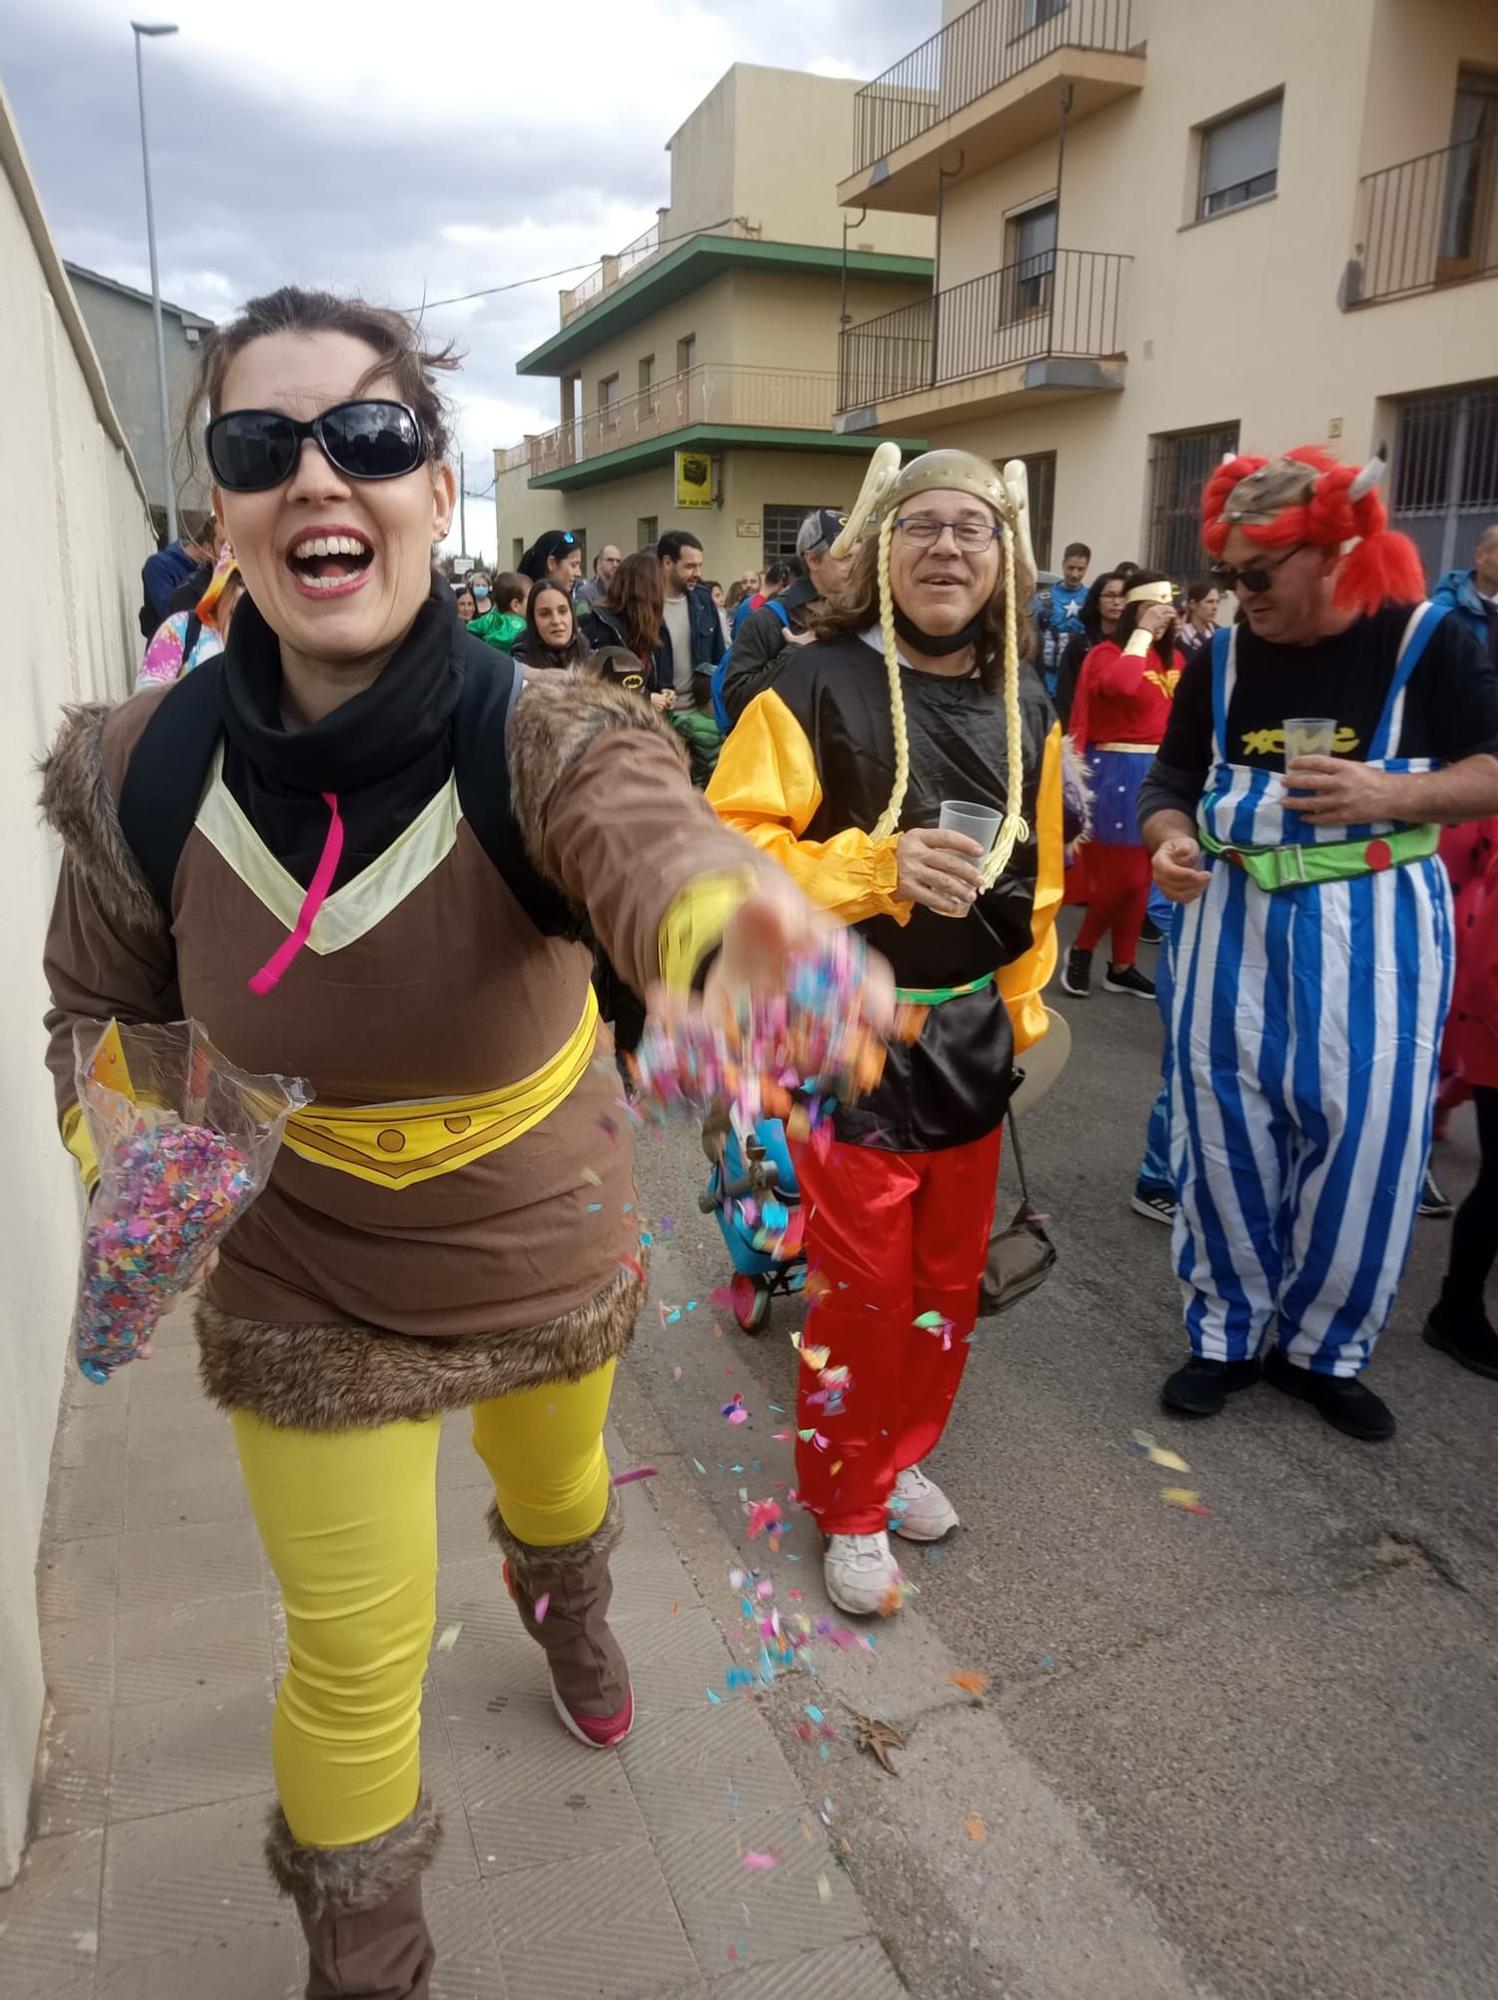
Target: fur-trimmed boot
361, 1908
570, 1587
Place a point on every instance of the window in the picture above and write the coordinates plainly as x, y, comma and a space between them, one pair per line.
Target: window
517, 550
608, 401
1181, 463
1470, 199
781, 525
1445, 484
1040, 477
647, 383
1240, 158
1038, 11
647, 531
1032, 260
686, 354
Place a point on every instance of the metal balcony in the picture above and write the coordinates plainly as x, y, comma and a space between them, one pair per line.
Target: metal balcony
1426, 222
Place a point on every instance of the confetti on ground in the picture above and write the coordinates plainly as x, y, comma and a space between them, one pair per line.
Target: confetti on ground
824, 1889
635, 1472
1185, 1499
1144, 1446
542, 1606
974, 1828
970, 1683
449, 1637
754, 1859
734, 1411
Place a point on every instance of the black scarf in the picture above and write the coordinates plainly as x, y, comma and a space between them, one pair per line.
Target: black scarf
937, 646
385, 752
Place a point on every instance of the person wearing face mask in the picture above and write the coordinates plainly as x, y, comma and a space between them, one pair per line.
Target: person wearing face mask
910, 696
353, 847
1312, 959
551, 639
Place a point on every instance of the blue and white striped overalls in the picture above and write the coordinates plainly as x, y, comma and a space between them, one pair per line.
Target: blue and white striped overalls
1305, 1028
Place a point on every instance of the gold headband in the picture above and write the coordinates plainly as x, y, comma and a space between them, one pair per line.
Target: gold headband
1151, 593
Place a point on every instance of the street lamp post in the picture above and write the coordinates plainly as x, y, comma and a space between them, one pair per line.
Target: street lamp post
140, 29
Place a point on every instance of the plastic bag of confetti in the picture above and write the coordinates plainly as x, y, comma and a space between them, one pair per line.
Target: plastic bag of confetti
185, 1142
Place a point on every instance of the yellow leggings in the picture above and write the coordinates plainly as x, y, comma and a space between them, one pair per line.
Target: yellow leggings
349, 1521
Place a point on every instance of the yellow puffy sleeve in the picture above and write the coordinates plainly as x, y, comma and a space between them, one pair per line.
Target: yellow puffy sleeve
1025, 978
766, 788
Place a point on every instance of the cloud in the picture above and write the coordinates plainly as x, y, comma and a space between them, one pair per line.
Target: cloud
397, 153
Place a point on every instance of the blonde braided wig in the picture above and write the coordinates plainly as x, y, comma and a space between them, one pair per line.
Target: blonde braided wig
884, 487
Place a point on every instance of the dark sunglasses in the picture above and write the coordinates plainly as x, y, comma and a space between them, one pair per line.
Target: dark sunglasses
1259, 577
253, 450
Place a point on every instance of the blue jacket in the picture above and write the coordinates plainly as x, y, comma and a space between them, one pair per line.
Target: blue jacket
707, 638
1458, 591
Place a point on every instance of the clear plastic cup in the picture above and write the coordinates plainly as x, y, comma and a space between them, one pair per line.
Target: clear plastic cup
980, 823
1310, 736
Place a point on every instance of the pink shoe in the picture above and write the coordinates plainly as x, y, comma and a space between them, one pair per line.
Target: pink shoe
599, 1732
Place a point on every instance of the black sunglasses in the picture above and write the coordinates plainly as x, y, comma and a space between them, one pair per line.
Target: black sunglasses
253, 450
1259, 577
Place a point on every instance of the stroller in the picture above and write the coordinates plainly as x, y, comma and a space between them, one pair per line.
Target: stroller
752, 1191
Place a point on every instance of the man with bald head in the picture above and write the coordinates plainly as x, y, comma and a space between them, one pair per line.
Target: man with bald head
1473, 593
596, 589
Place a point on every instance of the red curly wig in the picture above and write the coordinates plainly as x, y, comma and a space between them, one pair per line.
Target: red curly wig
1383, 566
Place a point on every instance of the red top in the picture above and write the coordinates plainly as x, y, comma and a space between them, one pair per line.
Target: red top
1473, 1033
1122, 698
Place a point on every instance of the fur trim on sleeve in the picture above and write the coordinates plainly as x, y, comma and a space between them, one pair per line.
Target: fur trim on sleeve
79, 806
556, 719
1076, 794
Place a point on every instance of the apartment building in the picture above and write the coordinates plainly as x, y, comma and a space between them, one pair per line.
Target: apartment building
1167, 229
708, 348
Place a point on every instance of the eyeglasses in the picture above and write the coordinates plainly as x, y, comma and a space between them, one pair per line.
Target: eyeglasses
925, 531
1259, 577
252, 450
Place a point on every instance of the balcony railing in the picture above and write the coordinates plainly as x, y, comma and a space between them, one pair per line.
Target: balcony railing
716, 393
986, 46
1426, 222
1058, 304
644, 250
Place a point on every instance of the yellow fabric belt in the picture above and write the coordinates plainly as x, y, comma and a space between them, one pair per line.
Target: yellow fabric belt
397, 1145
1142, 749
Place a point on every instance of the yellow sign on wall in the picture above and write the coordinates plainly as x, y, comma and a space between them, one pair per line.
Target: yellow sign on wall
694, 479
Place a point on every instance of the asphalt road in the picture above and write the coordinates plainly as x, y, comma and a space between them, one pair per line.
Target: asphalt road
1249, 1756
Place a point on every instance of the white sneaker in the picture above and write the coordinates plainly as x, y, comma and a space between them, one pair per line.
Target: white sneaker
861, 1573
919, 1510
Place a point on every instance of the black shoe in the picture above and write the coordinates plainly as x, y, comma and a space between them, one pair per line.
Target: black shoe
1128, 979
1347, 1404
1151, 933
1202, 1387
1468, 1339
1433, 1202
1076, 976
1159, 1204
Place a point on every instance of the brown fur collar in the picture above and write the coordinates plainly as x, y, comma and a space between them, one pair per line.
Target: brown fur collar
342, 1881
335, 1378
527, 1561
555, 720
78, 805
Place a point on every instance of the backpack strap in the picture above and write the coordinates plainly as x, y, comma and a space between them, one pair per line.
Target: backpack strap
168, 769
491, 687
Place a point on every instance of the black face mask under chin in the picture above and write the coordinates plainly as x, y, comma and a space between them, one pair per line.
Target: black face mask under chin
936, 646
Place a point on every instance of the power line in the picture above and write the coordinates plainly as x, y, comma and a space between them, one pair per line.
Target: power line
540, 278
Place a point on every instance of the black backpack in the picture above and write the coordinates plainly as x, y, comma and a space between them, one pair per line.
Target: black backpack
169, 768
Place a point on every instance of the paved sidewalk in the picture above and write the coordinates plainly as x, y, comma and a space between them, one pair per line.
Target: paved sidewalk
565, 1874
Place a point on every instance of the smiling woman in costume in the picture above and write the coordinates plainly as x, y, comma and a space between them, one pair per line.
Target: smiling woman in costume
910, 695
353, 849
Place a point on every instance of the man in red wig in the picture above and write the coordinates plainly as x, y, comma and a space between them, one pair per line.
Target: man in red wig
1314, 958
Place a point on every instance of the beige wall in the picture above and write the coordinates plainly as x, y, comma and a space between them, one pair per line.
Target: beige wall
1236, 319
770, 145
751, 480
73, 534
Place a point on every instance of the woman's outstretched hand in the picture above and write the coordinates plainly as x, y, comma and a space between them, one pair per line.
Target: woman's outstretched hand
758, 940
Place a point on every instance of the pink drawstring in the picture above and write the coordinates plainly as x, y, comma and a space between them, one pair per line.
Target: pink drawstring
312, 902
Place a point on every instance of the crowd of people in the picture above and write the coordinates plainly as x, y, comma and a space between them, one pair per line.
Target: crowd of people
453, 824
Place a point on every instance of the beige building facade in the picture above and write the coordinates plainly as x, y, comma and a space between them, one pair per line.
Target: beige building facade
716, 335
74, 531
1171, 228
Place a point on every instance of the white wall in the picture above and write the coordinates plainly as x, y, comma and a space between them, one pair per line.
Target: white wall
73, 534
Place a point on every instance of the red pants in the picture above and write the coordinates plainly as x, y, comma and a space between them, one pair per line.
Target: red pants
889, 1237
1118, 885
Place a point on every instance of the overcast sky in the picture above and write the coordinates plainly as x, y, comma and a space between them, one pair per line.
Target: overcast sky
403, 151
